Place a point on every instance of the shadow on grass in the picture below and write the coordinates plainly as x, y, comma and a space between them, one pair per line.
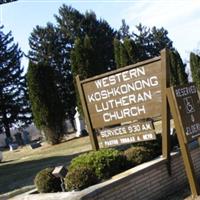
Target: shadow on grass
8, 161
17, 175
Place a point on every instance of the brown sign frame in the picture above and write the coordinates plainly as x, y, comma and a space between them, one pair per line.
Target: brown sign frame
175, 102
165, 117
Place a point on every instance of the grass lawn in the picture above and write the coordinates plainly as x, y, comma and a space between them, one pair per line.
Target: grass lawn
19, 167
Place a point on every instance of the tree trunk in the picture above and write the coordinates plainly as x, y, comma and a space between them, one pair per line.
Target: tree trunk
72, 123
7, 129
6, 126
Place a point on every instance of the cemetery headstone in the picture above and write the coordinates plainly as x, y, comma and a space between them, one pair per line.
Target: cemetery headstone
35, 145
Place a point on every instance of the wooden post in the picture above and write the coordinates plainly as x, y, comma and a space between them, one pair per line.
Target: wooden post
195, 190
165, 106
92, 135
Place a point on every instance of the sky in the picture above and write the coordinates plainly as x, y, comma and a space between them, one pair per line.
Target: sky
181, 18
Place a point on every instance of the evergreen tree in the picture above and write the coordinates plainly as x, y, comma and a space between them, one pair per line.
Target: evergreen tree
46, 103
6, 1
14, 107
131, 49
124, 58
49, 46
125, 52
82, 61
124, 30
195, 68
178, 75
117, 45
53, 45
148, 43
69, 21
160, 40
74, 24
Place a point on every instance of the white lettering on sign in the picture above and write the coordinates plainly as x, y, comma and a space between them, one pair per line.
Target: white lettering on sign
181, 92
124, 113
119, 77
113, 132
127, 129
148, 136
123, 89
123, 101
125, 95
193, 130
111, 142
129, 139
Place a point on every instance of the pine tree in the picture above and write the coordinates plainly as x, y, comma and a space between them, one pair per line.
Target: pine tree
150, 41
46, 103
49, 46
117, 45
94, 38
76, 25
14, 107
124, 58
195, 68
124, 30
160, 40
178, 76
131, 49
125, 52
6, 1
82, 61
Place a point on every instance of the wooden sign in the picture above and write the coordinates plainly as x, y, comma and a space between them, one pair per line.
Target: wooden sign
188, 109
184, 105
130, 133
124, 95
132, 93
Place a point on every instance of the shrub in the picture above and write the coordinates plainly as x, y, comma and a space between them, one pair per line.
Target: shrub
80, 178
138, 155
45, 181
105, 163
155, 146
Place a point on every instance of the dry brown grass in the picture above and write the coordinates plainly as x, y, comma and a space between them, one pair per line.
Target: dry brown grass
19, 167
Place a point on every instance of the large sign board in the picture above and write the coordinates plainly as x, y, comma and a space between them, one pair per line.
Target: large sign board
128, 95
130, 133
188, 107
125, 95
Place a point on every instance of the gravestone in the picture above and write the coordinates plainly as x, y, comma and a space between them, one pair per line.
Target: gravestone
35, 145
13, 146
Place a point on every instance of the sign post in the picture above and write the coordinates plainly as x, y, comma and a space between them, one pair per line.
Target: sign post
165, 105
92, 135
185, 108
